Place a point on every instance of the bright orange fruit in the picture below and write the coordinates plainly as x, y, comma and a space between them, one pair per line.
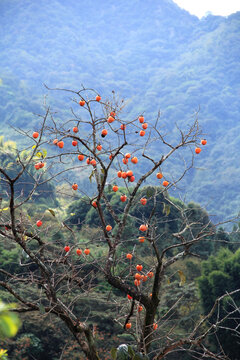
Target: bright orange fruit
86, 251
108, 227
159, 175
143, 228
79, 251
80, 157
35, 135
75, 186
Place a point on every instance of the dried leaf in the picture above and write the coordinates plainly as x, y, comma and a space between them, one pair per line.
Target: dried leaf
166, 209
182, 277
52, 212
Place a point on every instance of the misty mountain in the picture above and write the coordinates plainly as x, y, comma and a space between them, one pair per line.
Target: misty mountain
151, 52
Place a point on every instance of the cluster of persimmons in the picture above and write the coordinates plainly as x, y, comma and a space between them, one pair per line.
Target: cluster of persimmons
128, 175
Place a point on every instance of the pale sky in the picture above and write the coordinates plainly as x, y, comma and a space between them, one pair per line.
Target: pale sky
217, 7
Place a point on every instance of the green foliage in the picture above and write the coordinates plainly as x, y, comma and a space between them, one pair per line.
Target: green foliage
30, 345
167, 218
3, 354
9, 258
9, 321
221, 274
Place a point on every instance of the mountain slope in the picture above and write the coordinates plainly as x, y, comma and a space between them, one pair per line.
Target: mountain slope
152, 52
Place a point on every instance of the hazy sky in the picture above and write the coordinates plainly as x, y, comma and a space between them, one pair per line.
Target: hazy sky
217, 7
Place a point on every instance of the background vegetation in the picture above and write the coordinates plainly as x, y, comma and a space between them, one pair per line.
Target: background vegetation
150, 52
157, 56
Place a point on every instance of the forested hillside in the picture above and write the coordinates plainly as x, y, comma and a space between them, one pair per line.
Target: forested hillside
152, 53
90, 251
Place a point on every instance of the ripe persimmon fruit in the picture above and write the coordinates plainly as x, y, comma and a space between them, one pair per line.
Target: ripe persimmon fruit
127, 156
94, 204
110, 119
124, 175
128, 325
104, 132
123, 127
75, 186
99, 147
139, 268
86, 251
60, 144
143, 201
55, 141
140, 308
115, 188
125, 161
155, 326
144, 126
35, 135
150, 274
39, 223
67, 248
143, 228
134, 160
98, 98
75, 129
112, 113
119, 174
93, 162
129, 256
80, 157
137, 282
108, 227
142, 133
141, 239
203, 141
138, 276
82, 102
79, 251
198, 150
123, 198
159, 175
141, 119
129, 173
129, 297
131, 178
74, 143
165, 183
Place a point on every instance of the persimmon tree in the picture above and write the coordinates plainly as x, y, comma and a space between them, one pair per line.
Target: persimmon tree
98, 145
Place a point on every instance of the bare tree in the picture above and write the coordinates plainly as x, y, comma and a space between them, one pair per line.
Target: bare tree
100, 138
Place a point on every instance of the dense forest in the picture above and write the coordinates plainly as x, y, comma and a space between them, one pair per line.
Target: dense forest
150, 58
195, 283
